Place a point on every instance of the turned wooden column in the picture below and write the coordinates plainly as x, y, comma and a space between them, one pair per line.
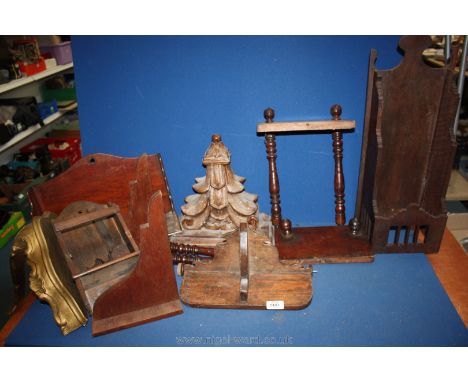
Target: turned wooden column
340, 215
270, 143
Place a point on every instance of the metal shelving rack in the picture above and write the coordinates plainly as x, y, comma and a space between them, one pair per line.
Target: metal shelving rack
30, 86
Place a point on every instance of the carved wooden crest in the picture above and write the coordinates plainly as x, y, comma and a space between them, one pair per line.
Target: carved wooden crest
221, 202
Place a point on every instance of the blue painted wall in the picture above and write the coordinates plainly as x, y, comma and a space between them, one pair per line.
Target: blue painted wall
170, 94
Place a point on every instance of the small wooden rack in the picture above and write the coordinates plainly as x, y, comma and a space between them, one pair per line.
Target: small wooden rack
313, 244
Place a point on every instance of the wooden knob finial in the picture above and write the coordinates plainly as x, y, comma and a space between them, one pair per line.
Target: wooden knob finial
286, 227
355, 226
269, 114
335, 111
216, 138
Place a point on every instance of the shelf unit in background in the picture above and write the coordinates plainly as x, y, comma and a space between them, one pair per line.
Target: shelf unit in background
15, 84
31, 134
30, 87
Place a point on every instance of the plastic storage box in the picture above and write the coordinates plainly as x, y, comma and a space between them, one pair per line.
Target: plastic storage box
47, 108
61, 52
31, 69
67, 94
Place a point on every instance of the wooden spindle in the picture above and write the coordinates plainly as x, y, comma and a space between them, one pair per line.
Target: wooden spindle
270, 143
189, 254
178, 258
187, 249
340, 214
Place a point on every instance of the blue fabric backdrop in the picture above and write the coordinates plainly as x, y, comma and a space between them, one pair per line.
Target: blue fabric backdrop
170, 94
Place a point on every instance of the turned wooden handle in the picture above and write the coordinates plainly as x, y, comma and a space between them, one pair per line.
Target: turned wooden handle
188, 249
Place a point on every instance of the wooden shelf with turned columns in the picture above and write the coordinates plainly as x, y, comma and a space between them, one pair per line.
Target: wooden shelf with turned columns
334, 244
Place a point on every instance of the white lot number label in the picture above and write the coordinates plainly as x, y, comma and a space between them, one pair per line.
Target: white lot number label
275, 305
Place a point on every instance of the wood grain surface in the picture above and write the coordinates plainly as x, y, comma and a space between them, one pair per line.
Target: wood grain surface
289, 127
408, 149
149, 292
216, 284
318, 245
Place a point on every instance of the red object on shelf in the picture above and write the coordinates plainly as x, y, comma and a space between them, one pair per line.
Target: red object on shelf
58, 147
31, 69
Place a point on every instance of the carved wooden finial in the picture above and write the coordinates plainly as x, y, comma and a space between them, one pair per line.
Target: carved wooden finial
220, 202
269, 114
336, 111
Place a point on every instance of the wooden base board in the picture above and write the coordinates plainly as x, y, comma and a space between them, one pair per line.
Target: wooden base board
451, 267
318, 245
138, 317
216, 284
